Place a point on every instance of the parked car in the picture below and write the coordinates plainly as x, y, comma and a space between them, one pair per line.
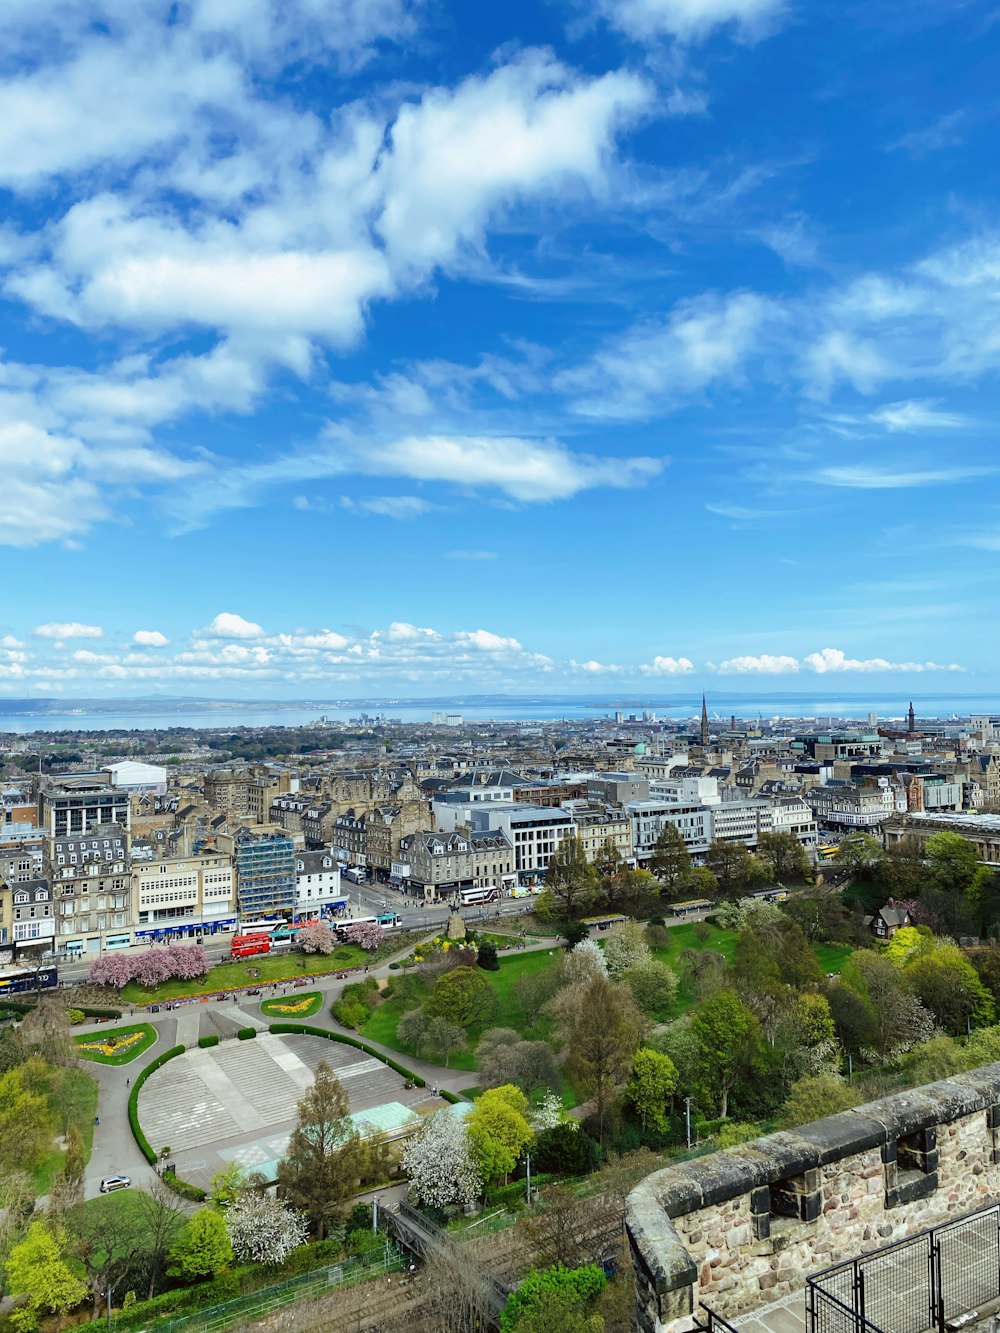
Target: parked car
111, 1183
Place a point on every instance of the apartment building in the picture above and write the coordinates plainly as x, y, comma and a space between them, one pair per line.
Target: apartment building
91, 880
70, 805
182, 897
852, 807
649, 817
318, 890
598, 824
265, 873
535, 832
443, 863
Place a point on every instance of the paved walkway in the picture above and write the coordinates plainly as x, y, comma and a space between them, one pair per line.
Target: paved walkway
114, 1148
785, 1316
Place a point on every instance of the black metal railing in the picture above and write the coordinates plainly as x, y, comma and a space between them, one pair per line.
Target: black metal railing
712, 1322
914, 1285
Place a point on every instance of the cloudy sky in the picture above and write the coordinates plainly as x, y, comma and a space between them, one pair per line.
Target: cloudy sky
396, 345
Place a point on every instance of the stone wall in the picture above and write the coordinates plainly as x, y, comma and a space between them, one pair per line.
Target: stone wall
745, 1226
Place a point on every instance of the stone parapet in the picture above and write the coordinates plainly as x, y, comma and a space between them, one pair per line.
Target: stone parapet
744, 1226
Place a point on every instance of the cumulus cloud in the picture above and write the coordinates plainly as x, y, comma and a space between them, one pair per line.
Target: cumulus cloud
72, 629
668, 666
767, 664
150, 638
833, 659
595, 668
228, 625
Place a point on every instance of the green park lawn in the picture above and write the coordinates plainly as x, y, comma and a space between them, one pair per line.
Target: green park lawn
77, 1105
832, 957
89, 1046
294, 1007
259, 971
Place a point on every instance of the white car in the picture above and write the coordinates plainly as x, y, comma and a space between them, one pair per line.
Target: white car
111, 1183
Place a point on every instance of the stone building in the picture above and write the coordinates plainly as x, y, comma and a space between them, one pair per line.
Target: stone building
443, 863
91, 881
738, 1229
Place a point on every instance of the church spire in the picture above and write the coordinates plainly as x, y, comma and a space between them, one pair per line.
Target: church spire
911, 719
704, 721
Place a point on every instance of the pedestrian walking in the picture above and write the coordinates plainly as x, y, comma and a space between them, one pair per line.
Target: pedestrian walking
97, 1119
128, 1082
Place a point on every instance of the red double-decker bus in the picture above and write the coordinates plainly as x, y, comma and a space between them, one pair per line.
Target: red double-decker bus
245, 946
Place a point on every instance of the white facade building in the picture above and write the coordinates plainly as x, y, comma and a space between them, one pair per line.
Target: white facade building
535, 832
133, 776
318, 890
183, 897
649, 818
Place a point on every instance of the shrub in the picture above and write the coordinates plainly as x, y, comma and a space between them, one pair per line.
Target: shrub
349, 1013
75, 1016
133, 1101
246, 1034
487, 959
183, 1187
205, 1042
566, 1149
363, 1241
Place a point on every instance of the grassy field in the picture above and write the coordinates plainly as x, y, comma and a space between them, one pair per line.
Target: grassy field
296, 1007
832, 957
259, 971
77, 1104
145, 1035
381, 1026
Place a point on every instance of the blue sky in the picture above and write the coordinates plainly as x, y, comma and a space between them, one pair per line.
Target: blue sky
389, 346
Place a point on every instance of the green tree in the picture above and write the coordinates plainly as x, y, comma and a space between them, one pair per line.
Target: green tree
948, 985
653, 986
325, 1158
820, 916
38, 1272
784, 856
226, 1185
736, 871
853, 1018
813, 1098
555, 1300
727, 1037
462, 996
603, 1032
860, 855
499, 1130
941, 1057
443, 1038
202, 1249
900, 1019
907, 942
571, 883
671, 860
952, 861
650, 1088
27, 1124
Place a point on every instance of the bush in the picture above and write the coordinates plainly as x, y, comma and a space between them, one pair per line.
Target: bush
567, 1150
349, 1014
205, 1042
246, 1034
363, 1241
75, 1016
183, 1187
360, 1217
488, 960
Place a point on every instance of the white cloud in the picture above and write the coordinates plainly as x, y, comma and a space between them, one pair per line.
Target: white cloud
833, 659
841, 356
866, 478
488, 642
767, 664
68, 630
228, 625
150, 638
402, 631
595, 668
389, 506
917, 414
704, 341
690, 20
668, 666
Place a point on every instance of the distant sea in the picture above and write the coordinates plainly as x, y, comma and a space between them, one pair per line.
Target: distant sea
146, 714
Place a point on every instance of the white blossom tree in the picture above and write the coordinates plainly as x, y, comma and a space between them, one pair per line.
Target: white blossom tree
263, 1230
548, 1113
625, 947
584, 962
440, 1166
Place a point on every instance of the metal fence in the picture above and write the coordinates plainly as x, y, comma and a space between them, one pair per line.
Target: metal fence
712, 1322
913, 1285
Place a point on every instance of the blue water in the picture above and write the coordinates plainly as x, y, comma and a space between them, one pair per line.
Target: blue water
670, 707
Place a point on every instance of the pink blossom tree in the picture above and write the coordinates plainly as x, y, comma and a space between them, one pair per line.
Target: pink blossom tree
114, 969
317, 937
366, 933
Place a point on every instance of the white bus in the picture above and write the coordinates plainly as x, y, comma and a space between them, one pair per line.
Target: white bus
473, 897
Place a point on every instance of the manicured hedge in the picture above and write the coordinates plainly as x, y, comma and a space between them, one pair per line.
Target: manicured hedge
306, 1030
25, 1006
452, 1097
133, 1101
205, 1042
183, 1187
247, 1034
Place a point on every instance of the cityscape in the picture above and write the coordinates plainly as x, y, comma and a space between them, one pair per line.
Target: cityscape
499, 688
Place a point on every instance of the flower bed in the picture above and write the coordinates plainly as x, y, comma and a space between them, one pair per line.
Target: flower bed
293, 1006
117, 1047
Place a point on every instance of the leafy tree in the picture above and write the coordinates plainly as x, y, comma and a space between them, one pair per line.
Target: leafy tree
464, 997
438, 1160
533, 990
226, 1185
67, 1187
504, 1056
160, 1222
202, 1249
900, 1019
650, 1088
941, 1057
442, 1038
603, 1033
860, 855
325, 1156
566, 1149
17, 1203
499, 1130
316, 937
784, 856
571, 883
902, 872
584, 961
625, 946
948, 985
983, 1047
702, 883
701, 972
853, 1018
38, 1272
813, 1098
262, 1229
736, 871
820, 916
907, 943
487, 957
554, 1300
727, 1037
986, 961
653, 986
27, 1123
412, 1029
671, 860
952, 861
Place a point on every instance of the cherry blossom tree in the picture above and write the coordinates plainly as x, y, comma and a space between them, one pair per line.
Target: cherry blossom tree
316, 937
263, 1230
366, 933
438, 1161
114, 969
151, 967
584, 962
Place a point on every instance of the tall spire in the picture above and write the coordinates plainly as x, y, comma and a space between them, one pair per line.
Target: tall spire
704, 721
911, 719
